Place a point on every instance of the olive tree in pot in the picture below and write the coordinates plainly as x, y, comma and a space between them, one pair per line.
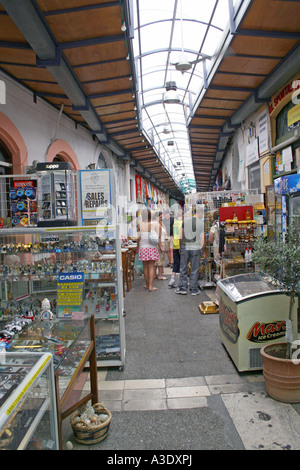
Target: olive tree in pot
281, 366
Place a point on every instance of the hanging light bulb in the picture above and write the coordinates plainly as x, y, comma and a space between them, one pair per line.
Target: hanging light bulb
171, 96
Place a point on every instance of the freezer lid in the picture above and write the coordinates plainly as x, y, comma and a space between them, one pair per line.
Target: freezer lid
245, 286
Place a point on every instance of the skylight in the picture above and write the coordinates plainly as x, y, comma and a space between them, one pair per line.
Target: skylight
170, 34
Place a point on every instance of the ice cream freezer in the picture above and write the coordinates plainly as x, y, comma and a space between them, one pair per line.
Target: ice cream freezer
252, 313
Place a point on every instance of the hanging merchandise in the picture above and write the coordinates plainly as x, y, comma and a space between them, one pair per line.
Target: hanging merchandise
23, 204
138, 188
146, 189
56, 194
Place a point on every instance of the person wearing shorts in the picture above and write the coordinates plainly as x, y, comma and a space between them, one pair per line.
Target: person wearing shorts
148, 253
161, 247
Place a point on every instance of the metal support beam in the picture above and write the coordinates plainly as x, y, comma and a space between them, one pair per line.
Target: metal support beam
31, 24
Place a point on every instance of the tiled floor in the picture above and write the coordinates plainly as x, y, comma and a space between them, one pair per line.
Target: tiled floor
184, 393
164, 394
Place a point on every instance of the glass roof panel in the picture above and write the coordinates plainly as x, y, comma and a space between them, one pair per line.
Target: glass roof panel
172, 39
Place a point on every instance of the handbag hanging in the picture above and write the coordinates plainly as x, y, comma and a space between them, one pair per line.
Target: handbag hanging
153, 237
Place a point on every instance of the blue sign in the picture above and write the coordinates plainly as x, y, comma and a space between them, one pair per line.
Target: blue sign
71, 277
287, 184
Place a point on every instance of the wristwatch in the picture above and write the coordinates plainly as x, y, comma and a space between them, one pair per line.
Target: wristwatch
47, 315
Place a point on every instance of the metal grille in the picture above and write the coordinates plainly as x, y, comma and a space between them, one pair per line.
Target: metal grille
255, 358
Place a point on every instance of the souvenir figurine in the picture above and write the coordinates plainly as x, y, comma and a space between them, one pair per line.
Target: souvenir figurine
29, 315
46, 312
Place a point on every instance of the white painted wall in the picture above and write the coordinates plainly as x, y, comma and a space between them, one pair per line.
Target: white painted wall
234, 162
37, 122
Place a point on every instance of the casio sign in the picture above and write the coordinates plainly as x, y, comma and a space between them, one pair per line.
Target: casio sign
70, 277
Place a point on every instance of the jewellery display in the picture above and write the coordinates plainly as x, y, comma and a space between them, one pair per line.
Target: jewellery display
46, 264
63, 246
105, 268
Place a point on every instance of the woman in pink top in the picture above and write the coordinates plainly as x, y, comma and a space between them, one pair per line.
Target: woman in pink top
148, 253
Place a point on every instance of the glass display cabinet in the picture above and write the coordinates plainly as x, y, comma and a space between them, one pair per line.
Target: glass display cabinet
287, 196
28, 419
77, 271
71, 345
56, 194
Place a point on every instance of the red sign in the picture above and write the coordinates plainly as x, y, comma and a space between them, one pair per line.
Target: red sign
228, 322
240, 211
138, 188
260, 332
285, 91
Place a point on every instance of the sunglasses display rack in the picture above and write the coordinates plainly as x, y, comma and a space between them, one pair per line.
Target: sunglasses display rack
56, 194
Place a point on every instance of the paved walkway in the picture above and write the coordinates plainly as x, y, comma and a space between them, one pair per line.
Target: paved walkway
179, 389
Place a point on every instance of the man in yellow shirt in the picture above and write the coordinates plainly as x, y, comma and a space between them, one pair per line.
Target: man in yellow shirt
176, 246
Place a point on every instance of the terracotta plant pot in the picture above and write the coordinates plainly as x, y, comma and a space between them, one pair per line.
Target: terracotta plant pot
282, 376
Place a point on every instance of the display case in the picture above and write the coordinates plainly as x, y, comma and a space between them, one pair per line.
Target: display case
28, 418
252, 313
239, 231
56, 194
78, 269
71, 344
287, 197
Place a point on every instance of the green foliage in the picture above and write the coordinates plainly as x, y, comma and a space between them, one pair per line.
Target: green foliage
281, 260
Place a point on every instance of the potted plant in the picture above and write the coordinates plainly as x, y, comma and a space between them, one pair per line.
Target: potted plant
281, 365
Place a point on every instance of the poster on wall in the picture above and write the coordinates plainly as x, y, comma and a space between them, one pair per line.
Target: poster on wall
252, 152
263, 133
96, 202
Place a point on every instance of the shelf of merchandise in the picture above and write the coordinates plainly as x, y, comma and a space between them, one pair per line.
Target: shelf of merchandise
239, 237
37, 256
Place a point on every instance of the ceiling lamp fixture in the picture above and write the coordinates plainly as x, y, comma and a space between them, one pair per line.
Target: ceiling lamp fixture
171, 96
183, 63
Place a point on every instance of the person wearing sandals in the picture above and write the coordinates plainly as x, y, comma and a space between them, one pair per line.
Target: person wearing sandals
161, 247
148, 253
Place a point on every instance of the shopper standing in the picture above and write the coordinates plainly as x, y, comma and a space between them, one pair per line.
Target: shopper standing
148, 253
177, 227
192, 243
161, 247
214, 236
168, 221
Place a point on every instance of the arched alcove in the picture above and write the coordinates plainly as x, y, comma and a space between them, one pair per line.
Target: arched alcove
60, 149
14, 142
